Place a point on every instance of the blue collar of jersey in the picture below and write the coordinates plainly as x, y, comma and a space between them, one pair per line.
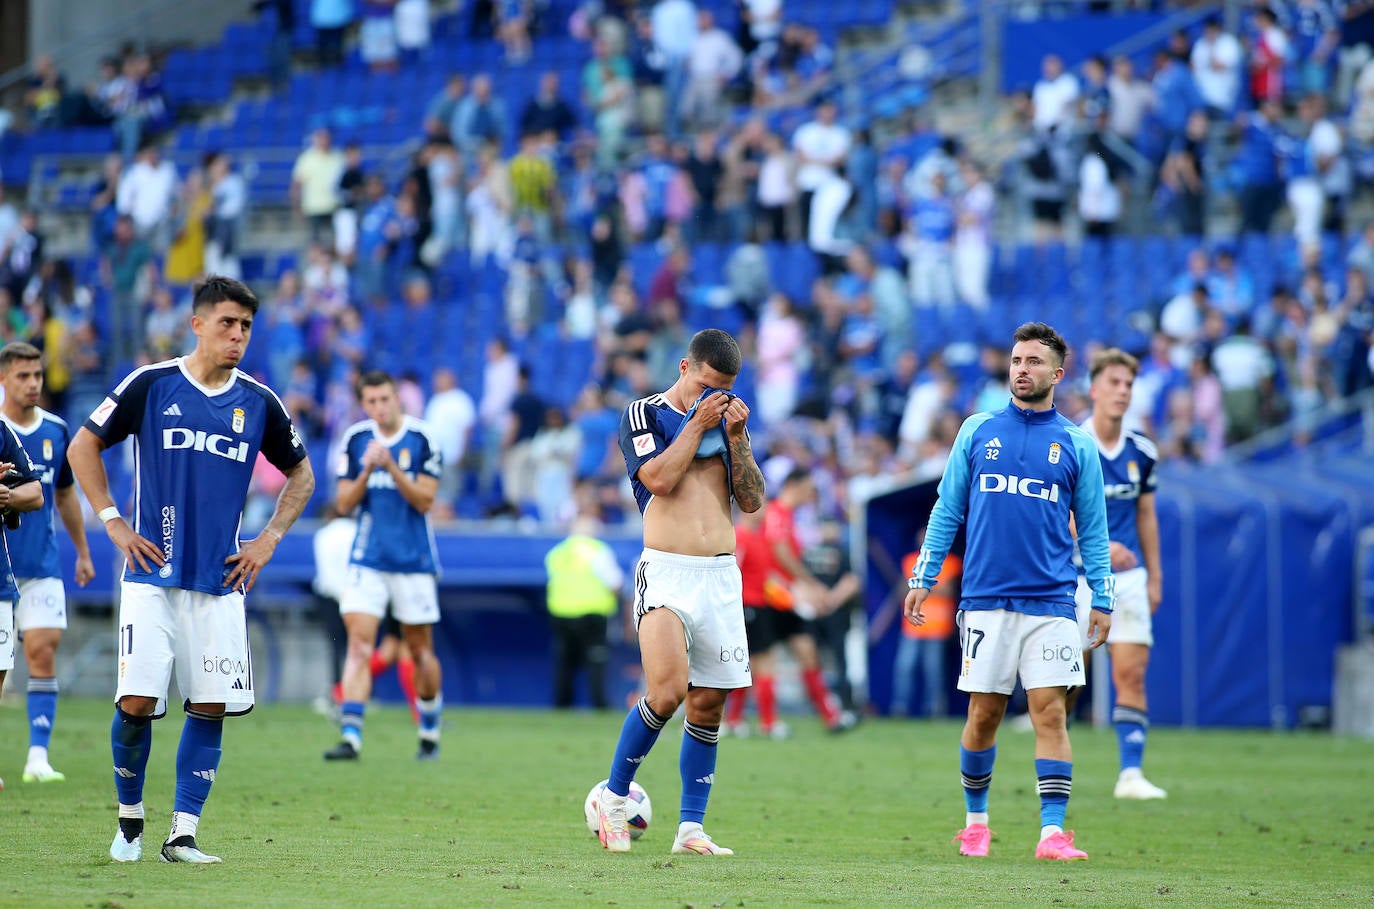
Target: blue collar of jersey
1032, 416
713, 442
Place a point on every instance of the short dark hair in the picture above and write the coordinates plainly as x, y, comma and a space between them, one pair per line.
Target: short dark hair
1039, 331
18, 350
797, 474
374, 378
214, 289
717, 350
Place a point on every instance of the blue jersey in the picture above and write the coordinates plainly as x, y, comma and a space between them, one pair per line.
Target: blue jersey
1014, 476
648, 427
194, 451
33, 547
1128, 472
12, 452
392, 534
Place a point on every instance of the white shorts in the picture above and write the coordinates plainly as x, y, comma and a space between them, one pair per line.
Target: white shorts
706, 593
414, 597
204, 636
998, 645
7, 635
42, 604
1131, 619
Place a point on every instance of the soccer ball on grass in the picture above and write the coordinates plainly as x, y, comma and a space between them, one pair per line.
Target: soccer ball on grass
637, 805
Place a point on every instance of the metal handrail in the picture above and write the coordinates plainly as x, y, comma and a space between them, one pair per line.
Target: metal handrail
1361, 402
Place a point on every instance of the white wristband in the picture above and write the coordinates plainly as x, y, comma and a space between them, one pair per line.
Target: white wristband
107, 515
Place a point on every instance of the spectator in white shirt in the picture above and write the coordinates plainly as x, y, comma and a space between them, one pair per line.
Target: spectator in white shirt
715, 60
973, 212
673, 24
1216, 60
1055, 96
1132, 98
500, 382
822, 145
450, 415
146, 193
1099, 197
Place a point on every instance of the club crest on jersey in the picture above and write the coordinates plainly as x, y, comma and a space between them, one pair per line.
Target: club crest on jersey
644, 443
403, 461
238, 419
1054, 452
47, 450
1133, 471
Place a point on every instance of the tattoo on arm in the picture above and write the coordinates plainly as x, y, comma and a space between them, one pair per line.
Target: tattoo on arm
748, 479
295, 495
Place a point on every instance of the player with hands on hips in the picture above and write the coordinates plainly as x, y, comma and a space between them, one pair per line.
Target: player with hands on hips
199, 424
1015, 478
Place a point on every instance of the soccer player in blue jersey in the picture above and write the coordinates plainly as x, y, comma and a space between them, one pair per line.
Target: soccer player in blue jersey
688, 454
198, 424
389, 470
42, 611
1014, 478
1128, 470
21, 491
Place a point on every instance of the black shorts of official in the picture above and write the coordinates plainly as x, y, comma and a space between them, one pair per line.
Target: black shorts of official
764, 627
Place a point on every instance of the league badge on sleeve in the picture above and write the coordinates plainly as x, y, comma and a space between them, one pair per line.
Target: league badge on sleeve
1054, 452
644, 443
238, 419
102, 413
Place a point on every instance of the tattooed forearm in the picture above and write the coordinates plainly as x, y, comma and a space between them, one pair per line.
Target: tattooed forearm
748, 479
295, 495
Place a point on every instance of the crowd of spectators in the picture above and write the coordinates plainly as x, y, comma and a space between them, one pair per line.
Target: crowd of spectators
688, 139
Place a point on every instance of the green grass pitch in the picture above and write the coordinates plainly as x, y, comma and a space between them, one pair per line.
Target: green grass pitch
866, 819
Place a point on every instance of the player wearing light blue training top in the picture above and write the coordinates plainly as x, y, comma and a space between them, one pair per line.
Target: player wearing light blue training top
1015, 478
198, 425
1128, 469
389, 470
41, 614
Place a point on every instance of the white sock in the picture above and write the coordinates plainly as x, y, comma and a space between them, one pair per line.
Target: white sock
1130, 773
1049, 830
183, 824
134, 811
355, 740
686, 828
37, 755
975, 817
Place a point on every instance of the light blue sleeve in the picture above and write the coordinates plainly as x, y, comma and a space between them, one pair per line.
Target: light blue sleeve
950, 508
1090, 517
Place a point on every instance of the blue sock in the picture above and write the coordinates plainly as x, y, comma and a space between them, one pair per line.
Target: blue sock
42, 711
1132, 726
975, 769
637, 738
430, 712
1055, 783
197, 760
697, 764
351, 722
131, 738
